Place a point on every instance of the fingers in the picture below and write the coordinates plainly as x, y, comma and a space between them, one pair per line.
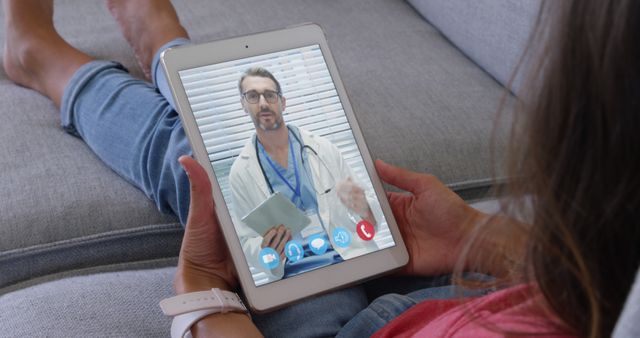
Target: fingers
404, 179
277, 238
201, 205
399, 203
346, 185
286, 236
359, 202
268, 237
352, 196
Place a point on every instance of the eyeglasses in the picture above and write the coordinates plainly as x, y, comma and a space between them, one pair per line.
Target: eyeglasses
253, 96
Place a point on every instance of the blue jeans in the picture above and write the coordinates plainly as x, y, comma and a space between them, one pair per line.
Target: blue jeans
132, 128
135, 130
387, 307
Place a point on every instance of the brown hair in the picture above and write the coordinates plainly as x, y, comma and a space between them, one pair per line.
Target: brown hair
575, 159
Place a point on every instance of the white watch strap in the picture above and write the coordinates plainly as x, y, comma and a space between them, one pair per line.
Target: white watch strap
189, 308
223, 301
181, 325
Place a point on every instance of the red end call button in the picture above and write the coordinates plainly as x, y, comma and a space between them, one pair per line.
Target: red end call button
365, 230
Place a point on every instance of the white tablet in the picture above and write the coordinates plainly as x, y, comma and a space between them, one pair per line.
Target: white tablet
268, 113
274, 211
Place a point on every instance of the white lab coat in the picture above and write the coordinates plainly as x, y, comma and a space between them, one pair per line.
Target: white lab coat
249, 188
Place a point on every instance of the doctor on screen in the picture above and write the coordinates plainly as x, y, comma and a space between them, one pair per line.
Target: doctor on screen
308, 170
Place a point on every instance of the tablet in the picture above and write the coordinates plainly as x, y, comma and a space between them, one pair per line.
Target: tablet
268, 113
274, 211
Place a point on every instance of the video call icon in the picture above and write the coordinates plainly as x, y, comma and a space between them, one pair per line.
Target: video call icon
269, 258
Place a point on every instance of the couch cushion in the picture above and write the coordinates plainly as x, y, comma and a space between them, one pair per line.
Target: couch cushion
148, 242
125, 304
421, 103
492, 33
115, 304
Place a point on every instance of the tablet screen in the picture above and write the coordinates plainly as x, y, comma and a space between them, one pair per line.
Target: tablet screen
275, 123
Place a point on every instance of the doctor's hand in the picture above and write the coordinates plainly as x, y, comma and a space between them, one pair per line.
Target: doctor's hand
433, 220
353, 197
277, 238
204, 261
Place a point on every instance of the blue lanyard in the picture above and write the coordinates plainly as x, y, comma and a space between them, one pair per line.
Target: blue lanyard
296, 191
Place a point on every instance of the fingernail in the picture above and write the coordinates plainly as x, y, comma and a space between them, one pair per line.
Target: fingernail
184, 168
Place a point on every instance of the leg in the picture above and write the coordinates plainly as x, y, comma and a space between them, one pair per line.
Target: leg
125, 121
387, 307
30, 41
147, 25
157, 74
132, 128
403, 284
150, 27
321, 316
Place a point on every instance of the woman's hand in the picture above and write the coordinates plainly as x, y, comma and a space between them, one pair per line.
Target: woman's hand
204, 261
433, 220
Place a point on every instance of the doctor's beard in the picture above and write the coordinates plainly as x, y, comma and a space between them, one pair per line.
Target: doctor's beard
275, 126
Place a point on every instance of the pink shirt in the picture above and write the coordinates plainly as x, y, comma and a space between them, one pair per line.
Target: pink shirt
494, 315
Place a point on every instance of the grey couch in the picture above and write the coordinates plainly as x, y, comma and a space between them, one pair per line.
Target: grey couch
84, 253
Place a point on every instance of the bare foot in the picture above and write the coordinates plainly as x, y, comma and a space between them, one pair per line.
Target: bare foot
22, 33
147, 25
34, 55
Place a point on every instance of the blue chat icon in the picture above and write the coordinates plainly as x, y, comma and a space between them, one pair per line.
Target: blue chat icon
318, 243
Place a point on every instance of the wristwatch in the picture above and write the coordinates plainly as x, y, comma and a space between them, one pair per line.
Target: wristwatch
190, 307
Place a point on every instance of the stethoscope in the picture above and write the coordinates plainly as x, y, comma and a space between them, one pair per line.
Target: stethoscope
302, 149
